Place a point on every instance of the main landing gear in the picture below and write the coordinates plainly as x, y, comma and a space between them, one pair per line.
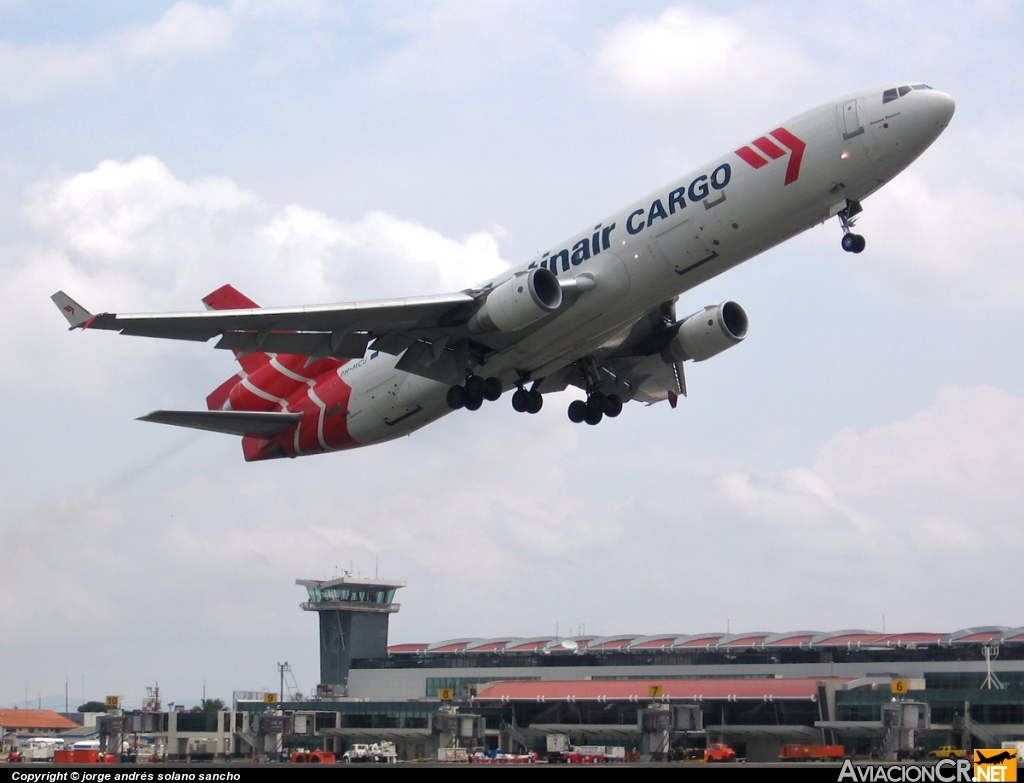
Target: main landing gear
596, 407
852, 243
525, 401
472, 395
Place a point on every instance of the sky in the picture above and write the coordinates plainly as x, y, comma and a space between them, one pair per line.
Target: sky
856, 463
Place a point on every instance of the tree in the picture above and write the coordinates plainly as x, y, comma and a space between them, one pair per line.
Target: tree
92, 706
212, 705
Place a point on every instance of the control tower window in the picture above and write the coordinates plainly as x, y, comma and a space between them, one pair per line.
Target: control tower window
889, 95
904, 91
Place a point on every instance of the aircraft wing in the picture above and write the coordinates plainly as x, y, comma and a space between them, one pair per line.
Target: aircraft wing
340, 330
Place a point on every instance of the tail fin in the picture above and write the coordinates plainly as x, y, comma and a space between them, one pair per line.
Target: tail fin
227, 297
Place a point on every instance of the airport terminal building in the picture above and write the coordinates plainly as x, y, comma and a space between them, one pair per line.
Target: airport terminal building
755, 690
877, 694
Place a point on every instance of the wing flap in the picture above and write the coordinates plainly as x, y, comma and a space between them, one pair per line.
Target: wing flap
650, 378
261, 425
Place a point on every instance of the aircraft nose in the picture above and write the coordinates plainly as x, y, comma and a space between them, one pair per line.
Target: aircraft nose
941, 107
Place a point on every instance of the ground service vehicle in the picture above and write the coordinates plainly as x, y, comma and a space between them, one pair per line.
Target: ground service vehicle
719, 752
313, 757
948, 752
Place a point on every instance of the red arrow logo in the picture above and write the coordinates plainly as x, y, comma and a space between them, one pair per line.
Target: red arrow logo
772, 150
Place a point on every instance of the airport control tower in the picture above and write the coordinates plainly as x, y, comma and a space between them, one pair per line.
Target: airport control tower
353, 620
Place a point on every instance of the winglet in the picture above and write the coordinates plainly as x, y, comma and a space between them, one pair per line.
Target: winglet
77, 315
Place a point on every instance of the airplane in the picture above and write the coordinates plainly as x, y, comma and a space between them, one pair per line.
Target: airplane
998, 758
595, 311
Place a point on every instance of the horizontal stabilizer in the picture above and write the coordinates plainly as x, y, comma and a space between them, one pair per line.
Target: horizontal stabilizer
74, 312
260, 425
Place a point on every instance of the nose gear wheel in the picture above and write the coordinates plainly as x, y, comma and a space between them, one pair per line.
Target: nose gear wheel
852, 243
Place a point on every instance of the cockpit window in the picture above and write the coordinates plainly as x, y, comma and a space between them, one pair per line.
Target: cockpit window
898, 92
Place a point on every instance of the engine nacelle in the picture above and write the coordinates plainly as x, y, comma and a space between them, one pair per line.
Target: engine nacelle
709, 332
518, 302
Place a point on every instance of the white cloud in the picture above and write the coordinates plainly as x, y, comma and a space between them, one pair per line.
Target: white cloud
33, 72
185, 28
947, 240
132, 237
686, 55
945, 482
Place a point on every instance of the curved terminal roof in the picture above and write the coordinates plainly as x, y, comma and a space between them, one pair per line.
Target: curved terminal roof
714, 642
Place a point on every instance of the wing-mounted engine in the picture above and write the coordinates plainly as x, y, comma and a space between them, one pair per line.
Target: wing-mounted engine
518, 302
709, 332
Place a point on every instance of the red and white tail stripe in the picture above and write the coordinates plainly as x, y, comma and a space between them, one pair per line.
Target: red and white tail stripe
773, 151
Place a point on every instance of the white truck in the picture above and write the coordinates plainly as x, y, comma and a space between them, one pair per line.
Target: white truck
377, 753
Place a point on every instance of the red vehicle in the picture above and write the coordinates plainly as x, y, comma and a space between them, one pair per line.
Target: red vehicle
719, 752
313, 757
811, 752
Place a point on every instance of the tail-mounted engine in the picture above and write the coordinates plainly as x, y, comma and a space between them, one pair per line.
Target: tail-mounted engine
709, 332
517, 303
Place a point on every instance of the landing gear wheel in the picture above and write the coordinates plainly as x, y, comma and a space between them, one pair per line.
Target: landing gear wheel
593, 417
577, 411
521, 400
492, 389
475, 386
596, 402
535, 402
456, 397
612, 406
854, 243
473, 402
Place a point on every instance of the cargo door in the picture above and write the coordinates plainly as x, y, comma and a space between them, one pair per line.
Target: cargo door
851, 120
690, 244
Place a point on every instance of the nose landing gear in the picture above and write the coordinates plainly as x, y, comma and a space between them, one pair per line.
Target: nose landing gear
852, 243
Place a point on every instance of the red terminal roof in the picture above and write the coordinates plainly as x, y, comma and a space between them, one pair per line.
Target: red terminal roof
846, 638
639, 690
34, 720
612, 644
453, 647
720, 641
897, 639
796, 639
534, 644
700, 640
398, 649
982, 636
654, 643
488, 646
743, 640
